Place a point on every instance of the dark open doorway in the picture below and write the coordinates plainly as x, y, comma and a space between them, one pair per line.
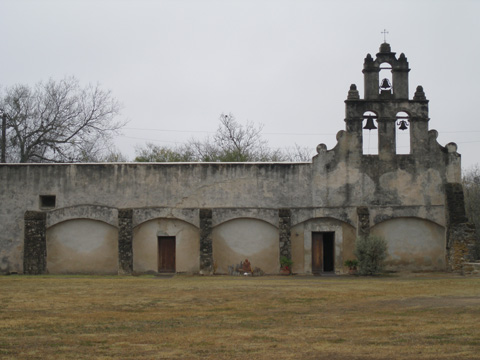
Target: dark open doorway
166, 254
323, 252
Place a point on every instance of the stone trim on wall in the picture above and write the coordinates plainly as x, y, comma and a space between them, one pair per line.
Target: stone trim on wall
460, 233
35, 243
206, 247
363, 227
461, 239
125, 241
285, 225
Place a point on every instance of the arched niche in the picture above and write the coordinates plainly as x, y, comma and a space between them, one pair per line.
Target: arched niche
402, 133
146, 245
302, 239
413, 244
385, 79
246, 238
370, 133
82, 246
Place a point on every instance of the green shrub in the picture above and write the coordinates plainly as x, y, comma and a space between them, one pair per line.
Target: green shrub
351, 264
286, 263
371, 252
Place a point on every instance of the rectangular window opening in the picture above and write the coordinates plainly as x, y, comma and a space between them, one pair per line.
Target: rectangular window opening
48, 201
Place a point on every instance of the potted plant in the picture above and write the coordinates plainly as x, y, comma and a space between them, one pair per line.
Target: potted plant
352, 266
286, 265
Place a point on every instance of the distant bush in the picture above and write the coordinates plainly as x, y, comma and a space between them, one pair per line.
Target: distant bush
371, 252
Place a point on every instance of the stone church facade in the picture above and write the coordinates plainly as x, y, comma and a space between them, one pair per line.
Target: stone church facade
200, 217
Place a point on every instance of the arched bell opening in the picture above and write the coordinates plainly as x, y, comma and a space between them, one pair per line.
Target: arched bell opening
385, 86
402, 133
370, 133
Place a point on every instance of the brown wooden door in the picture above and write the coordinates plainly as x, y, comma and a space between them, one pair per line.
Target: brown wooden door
166, 254
323, 252
317, 252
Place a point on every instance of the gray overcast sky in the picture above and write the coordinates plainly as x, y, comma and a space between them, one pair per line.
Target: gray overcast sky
176, 65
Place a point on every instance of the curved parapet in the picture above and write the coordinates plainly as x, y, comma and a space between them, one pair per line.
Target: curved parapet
105, 214
223, 215
453, 160
141, 215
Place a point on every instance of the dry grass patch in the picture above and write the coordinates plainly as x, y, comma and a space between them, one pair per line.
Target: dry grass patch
74, 317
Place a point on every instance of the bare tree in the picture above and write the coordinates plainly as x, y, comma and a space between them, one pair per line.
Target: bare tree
59, 121
240, 143
298, 153
232, 142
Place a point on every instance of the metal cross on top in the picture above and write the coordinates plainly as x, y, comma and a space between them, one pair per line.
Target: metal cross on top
384, 32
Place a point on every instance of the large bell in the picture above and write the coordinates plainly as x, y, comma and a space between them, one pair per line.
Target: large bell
403, 125
370, 125
385, 84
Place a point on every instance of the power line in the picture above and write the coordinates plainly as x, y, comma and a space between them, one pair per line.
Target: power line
213, 132
183, 142
276, 133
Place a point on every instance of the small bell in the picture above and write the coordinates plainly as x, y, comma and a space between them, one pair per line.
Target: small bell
370, 125
403, 125
385, 84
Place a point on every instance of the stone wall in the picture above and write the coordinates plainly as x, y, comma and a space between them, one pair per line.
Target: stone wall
285, 224
460, 233
206, 249
35, 248
125, 238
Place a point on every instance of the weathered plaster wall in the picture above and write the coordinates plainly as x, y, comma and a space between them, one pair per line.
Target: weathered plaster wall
117, 186
240, 239
145, 245
82, 246
332, 186
413, 244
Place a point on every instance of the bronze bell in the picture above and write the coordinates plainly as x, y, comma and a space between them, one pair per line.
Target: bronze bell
385, 84
370, 125
403, 125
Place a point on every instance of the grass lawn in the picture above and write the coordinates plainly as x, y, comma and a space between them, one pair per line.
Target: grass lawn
423, 316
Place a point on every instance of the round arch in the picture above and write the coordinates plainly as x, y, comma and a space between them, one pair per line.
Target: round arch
106, 214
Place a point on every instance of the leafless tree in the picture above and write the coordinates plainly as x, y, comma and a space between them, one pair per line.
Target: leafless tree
59, 121
237, 142
298, 153
232, 142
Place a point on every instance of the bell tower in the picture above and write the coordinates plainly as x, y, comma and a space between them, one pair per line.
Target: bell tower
386, 106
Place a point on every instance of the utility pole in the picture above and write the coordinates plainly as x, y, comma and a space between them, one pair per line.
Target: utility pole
4, 136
